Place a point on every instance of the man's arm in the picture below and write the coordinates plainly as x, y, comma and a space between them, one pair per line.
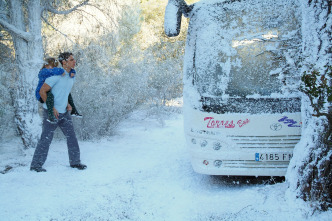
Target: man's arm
43, 91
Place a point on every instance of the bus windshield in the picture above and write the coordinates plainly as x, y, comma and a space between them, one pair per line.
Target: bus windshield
240, 52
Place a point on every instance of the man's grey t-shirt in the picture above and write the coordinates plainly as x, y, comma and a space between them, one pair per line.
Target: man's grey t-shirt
60, 88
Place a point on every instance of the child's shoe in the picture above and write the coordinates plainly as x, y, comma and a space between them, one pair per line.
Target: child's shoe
76, 114
52, 120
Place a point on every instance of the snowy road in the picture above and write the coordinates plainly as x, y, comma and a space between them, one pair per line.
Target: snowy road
142, 173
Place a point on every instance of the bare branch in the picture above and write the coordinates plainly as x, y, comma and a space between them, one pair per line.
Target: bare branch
12, 29
53, 10
94, 17
45, 20
104, 12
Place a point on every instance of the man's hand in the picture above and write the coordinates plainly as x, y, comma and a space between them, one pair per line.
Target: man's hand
69, 108
56, 113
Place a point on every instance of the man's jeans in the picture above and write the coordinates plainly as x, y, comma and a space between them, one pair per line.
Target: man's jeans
66, 125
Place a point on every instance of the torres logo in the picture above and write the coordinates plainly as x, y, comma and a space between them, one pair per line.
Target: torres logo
211, 123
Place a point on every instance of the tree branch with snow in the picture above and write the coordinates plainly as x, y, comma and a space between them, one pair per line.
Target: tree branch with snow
53, 10
47, 22
12, 29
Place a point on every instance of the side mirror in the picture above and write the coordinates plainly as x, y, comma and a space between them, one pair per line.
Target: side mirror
173, 15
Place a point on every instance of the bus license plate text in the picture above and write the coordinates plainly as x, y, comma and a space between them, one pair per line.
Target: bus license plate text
273, 156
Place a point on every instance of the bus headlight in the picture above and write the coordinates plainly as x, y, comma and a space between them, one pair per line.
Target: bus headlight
205, 162
204, 143
217, 146
217, 163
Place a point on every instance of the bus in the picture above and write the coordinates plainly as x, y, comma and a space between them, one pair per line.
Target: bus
242, 108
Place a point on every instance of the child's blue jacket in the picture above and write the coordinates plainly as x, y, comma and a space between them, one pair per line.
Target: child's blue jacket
46, 73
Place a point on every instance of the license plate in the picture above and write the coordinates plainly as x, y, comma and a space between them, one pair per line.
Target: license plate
273, 156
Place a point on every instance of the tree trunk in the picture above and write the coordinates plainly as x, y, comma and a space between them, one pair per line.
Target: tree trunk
315, 182
29, 56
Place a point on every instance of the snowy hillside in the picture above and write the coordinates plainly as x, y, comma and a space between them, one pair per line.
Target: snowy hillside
142, 173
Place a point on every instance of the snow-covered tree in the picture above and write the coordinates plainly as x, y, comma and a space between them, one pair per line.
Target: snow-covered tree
7, 126
23, 21
310, 171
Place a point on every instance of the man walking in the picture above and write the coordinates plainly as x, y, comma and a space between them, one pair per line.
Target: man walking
60, 87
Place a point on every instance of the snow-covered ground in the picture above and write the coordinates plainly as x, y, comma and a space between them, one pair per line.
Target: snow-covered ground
142, 173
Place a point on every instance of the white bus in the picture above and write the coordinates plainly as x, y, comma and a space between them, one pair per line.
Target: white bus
242, 110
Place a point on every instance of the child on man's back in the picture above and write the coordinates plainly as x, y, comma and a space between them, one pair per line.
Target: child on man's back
50, 69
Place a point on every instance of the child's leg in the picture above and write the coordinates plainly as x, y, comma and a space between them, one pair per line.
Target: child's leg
74, 111
50, 105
